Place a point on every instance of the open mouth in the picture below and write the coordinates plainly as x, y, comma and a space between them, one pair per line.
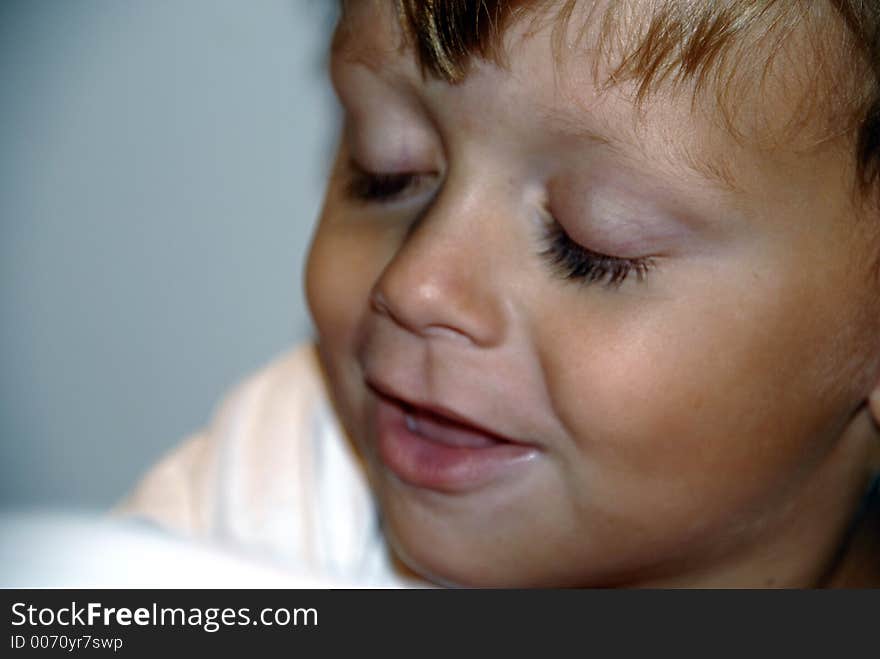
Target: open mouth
443, 430
430, 449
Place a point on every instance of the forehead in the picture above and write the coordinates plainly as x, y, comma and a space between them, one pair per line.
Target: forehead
653, 41
713, 92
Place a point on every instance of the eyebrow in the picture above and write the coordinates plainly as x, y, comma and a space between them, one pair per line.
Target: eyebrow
717, 171
346, 44
345, 49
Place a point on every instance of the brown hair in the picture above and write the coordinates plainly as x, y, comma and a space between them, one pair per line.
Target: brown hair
682, 41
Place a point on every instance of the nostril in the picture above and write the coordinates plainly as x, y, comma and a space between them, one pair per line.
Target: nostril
378, 303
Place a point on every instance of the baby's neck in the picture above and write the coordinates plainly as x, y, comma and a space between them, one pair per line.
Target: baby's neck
859, 564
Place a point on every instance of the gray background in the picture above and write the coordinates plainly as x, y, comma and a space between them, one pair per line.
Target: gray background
162, 163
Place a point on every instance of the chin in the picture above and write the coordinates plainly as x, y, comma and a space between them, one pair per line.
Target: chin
435, 566
458, 553
433, 547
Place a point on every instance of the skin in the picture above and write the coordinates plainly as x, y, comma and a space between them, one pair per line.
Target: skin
706, 425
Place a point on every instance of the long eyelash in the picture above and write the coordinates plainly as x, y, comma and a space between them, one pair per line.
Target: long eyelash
368, 186
577, 263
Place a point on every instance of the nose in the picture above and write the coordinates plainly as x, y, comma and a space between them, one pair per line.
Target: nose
443, 280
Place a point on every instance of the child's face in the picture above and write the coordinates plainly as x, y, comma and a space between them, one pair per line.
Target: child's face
680, 424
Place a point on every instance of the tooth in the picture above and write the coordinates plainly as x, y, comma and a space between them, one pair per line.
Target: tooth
410, 422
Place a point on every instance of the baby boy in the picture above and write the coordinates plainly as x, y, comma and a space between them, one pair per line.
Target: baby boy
597, 291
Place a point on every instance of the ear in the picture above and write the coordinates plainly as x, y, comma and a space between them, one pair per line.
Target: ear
874, 404
874, 412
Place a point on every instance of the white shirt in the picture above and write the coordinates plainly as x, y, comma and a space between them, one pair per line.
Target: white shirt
274, 476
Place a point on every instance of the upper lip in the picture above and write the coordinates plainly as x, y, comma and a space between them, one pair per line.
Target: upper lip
435, 409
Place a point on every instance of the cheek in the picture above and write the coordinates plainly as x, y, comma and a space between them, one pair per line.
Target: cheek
725, 390
342, 266
344, 262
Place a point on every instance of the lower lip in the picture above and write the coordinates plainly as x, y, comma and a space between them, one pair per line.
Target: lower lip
429, 464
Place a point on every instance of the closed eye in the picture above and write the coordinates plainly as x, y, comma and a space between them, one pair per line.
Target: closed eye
575, 262
366, 186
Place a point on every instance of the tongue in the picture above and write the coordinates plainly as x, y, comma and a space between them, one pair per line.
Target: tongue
448, 432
